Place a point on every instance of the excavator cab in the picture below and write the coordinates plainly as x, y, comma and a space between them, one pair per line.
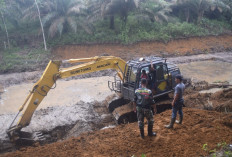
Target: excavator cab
160, 79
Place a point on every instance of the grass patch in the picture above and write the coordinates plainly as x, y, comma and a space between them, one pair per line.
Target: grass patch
19, 60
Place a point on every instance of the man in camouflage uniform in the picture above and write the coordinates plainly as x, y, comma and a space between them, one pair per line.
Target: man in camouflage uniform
144, 102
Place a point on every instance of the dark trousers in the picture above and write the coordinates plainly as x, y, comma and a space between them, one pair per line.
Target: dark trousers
177, 107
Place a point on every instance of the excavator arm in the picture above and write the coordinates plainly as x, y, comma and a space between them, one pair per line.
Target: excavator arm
47, 81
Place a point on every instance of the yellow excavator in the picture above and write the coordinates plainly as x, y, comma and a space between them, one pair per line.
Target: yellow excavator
129, 77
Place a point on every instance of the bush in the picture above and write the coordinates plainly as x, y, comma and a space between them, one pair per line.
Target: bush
215, 27
141, 30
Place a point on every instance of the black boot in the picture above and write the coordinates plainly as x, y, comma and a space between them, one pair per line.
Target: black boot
141, 132
150, 133
179, 121
171, 123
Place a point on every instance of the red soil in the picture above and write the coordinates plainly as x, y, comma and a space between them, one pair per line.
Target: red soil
176, 47
199, 127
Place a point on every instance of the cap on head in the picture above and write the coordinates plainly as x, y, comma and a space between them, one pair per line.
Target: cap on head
178, 76
143, 81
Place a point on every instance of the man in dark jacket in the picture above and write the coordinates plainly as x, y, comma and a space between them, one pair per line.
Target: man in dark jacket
144, 102
177, 102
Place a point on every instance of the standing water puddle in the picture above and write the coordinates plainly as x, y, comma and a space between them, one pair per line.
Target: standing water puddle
66, 93
210, 71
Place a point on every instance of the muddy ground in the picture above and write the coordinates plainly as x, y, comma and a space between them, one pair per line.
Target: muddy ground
199, 127
84, 119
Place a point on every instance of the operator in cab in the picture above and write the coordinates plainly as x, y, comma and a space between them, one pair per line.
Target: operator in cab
177, 102
143, 103
152, 78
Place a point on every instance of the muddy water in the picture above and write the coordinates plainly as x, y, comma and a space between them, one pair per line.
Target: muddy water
210, 71
66, 93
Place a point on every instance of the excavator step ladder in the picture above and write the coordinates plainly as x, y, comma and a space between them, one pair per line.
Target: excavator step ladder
115, 85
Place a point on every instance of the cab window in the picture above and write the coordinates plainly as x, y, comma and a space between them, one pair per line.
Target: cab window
161, 71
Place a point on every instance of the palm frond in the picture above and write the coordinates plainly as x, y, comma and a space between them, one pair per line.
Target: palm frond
60, 25
33, 16
216, 4
48, 18
75, 2
56, 26
156, 10
48, 6
30, 13
76, 9
73, 23
137, 2
160, 17
86, 28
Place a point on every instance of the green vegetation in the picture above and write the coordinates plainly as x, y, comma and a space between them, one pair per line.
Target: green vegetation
222, 149
143, 155
17, 59
60, 22
106, 21
135, 31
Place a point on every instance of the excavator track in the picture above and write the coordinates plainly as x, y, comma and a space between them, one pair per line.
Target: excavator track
116, 103
125, 114
123, 111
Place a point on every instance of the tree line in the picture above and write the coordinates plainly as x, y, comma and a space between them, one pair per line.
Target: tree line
57, 17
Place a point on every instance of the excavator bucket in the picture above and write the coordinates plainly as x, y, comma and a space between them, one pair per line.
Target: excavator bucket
26, 138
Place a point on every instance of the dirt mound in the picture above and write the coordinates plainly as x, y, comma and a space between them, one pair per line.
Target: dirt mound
220, 101
223, 94
199, 127
179, 47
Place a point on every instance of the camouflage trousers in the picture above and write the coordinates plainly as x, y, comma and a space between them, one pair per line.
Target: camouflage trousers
141, 113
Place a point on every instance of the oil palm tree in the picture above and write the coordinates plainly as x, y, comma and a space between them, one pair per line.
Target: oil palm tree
33, 12
155, 10
197, 8
10, 13
58, 14
111, 8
